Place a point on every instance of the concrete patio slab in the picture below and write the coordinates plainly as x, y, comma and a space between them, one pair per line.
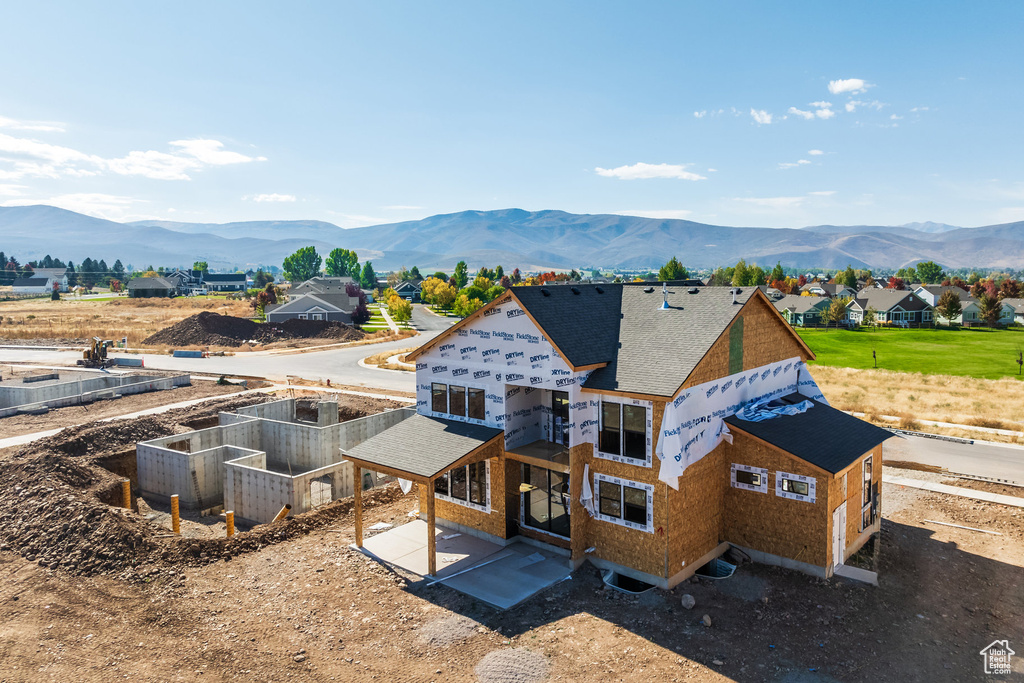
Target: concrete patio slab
500, 576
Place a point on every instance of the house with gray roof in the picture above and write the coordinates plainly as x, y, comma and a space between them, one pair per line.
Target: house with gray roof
334, 307
932, 293
58, 275
33, 285
148, 287
224, 282
596, 421
828, 289
892, 307
802, 311
321, 285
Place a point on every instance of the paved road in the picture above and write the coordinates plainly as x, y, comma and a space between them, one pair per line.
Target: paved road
341, 366
978, 459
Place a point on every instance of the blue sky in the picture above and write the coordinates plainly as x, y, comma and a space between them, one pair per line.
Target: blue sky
738, 113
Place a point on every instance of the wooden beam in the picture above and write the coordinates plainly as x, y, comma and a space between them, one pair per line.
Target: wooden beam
358, 472
431, 531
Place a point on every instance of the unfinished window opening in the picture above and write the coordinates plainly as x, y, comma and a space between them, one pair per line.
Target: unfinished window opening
475, 403
184, 446
457, 400
320, 491
439, 397
469, 486
736, 346
795, 486
624, 502
625, 434
869, 496
560, 417
749, 478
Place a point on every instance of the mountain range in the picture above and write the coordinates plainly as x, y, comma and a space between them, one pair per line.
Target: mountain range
531, 240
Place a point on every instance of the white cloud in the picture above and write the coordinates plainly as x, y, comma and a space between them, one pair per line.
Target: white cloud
212, 152
822, 105
853, 86
273, 198
761, 117
893, 117
824, 113
40, 126
772, 202
679, 214
700, 114
712, 170
11, 190
822, 193
919, 109
793, 164
642, 171
815, 152
27, 157
853, 104
808, 115
401, 207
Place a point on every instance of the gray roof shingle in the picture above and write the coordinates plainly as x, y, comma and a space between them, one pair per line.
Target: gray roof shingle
822, 436
584, 325
801, 304
423, 446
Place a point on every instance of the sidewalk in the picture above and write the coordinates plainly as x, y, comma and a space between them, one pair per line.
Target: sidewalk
387, 318
1013, 501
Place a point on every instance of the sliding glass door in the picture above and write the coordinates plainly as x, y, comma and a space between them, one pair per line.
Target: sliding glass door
545, 500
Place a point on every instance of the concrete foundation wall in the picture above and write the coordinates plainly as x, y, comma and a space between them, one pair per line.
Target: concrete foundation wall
59, 394
197, 478
283, 410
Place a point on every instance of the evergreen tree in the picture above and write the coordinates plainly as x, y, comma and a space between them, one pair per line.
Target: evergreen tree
461, 274
777, 272
369, 278
673, 270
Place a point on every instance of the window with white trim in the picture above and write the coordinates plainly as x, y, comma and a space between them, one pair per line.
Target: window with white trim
926, 316
749, 478
795, 487
625, 431
469, 486
303, 316
623, 502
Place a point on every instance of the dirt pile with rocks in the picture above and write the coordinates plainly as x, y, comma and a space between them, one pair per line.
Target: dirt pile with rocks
60, 498
213, 329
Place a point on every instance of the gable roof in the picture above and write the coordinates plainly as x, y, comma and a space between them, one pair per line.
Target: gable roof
1016, 304
823, 436
55, 273
150, 283
800, 304
582, 321
939, 290
31, 282
886, 299
224, 277
329, 302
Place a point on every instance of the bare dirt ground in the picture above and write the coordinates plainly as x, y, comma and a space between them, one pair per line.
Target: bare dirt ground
292, 600
70, 416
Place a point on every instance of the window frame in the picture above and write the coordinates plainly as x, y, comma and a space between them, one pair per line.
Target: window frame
433, 397
452, 390
623, 404
482, 401
737, 468
603, 482
810, 482
449, 479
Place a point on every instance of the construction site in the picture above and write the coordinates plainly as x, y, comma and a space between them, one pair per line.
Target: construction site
93, 588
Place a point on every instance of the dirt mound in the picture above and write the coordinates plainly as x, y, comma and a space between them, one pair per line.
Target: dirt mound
213, 329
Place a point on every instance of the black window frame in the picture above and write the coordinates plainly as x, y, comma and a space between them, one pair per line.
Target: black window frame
791, 485
617, 439
610, 436
476, 406
744, 473
453, 399
615, 500
474, 474
631, 508
435, 393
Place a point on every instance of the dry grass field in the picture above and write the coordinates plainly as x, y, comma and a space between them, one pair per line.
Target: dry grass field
136, 319
995, 403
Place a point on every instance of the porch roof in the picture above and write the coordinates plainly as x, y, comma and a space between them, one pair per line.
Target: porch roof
421, 448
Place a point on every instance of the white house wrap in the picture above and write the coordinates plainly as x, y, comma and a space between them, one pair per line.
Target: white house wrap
693, 424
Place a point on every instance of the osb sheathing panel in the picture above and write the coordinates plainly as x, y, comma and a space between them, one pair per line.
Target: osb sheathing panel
854, 489
766, 339
694, 526
763, 521
493, 522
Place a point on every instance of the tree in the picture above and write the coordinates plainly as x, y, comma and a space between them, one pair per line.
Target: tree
836, 311
201, 266
341, 263
444, 295
302, 265
115, 285
517, 277
494, 292
483, 283
1009, 289
673, 270
461, 274
756, 277
399, 309
739, 274
55, 294
929, 272
991, 309
896, 283
440, 275
465, 306
948, 306
262, 278
801, 281
368, 278
117, 269
870, 316
506, 281
778, 274
847, 278
414, 274
499, 273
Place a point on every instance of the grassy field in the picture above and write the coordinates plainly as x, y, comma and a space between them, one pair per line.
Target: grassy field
981, 353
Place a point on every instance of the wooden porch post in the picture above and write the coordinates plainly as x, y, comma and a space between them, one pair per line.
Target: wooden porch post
431, 530
358, 472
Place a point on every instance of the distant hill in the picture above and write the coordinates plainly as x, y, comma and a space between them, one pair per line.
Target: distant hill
513, 237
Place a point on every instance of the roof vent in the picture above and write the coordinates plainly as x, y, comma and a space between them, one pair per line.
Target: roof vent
648, 290
574, 290
545, 291
694, 290
664, 293
599, 290
734, 293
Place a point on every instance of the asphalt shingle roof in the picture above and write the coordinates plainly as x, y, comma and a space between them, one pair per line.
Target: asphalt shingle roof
584, 326
31, 282
801, 304
939, 290
822, 436
885, 299
423, 446
224, 277
150, 283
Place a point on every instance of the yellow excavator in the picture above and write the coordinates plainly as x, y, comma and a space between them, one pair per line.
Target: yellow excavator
96, 355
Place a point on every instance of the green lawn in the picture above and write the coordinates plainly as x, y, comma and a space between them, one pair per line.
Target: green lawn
979, 352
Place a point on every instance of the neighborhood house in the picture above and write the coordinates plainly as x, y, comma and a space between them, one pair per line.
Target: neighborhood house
644, 429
